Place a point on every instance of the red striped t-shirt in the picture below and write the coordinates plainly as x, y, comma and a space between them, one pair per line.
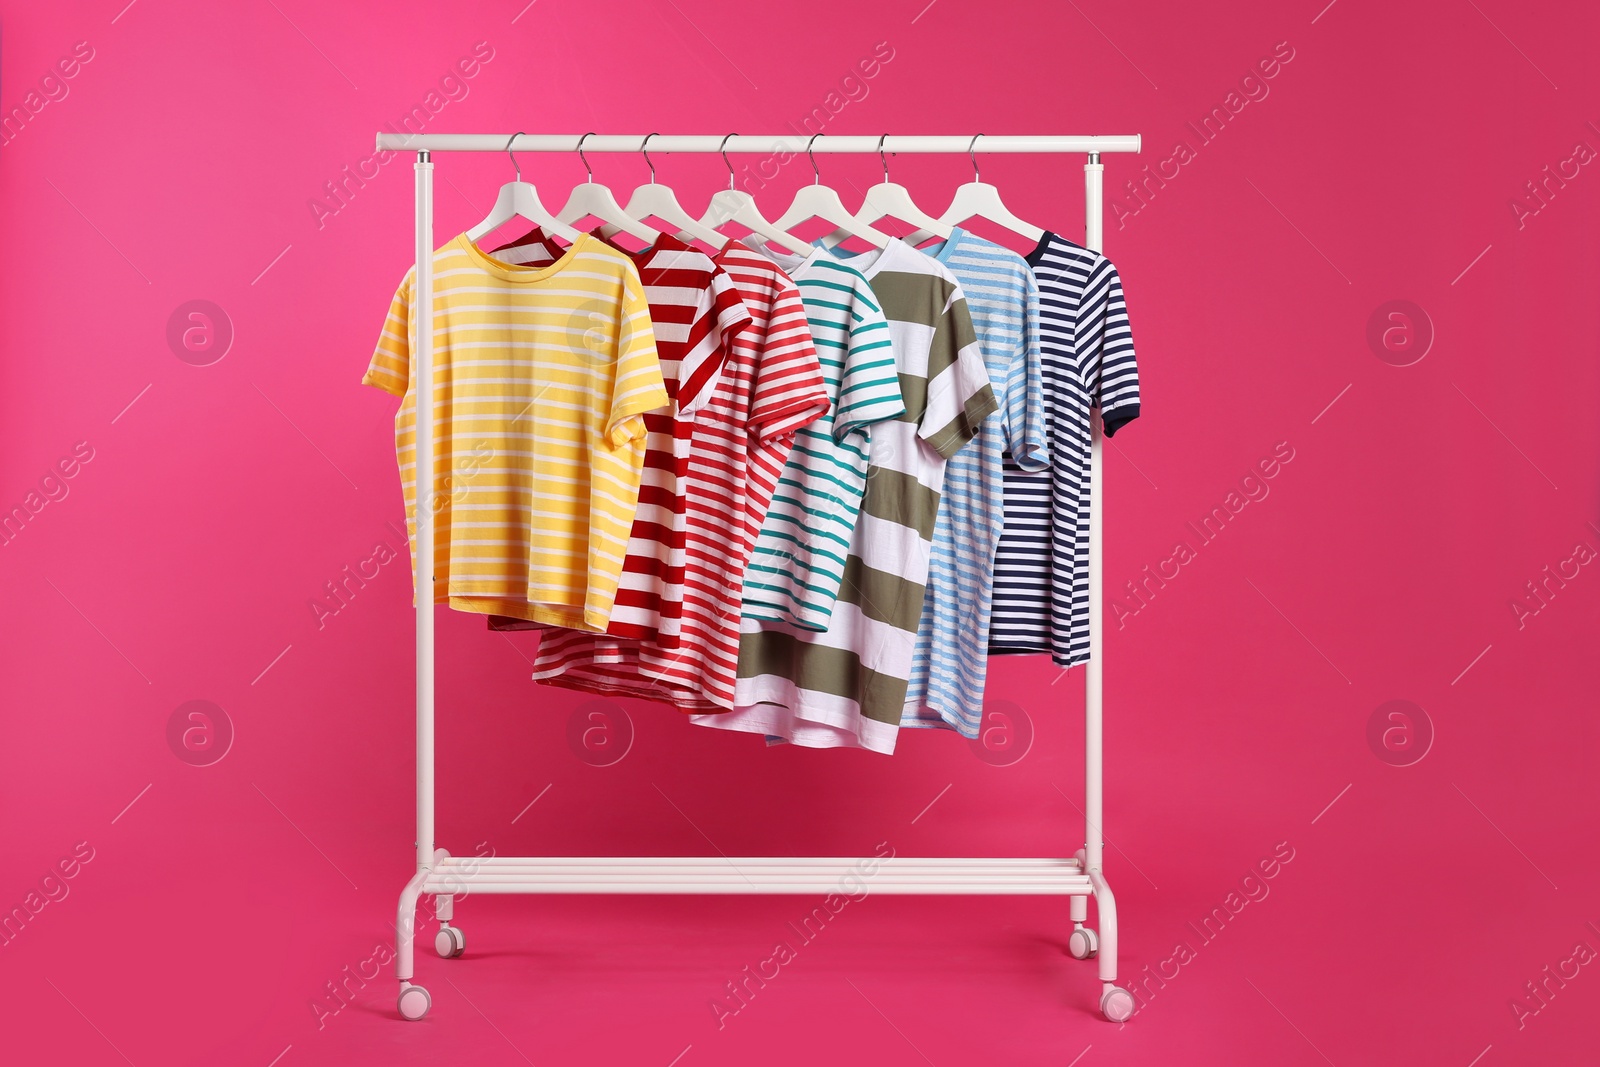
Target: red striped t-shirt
771, 385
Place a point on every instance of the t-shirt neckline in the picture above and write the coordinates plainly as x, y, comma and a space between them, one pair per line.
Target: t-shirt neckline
664, 242
728, 246
512, 272
790, 263
879, 256
1046, 239
947, 246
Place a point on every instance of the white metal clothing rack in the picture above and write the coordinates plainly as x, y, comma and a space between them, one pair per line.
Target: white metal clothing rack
444, 876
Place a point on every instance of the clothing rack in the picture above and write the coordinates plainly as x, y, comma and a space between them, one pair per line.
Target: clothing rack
444, 876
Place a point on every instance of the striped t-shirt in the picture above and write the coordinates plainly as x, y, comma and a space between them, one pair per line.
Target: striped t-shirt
695, 310
952, 657
798, 561
1041, 599
771, 386
541, 376
846, 686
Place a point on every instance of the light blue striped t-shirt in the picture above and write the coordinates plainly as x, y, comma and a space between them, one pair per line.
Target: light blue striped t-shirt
952, 649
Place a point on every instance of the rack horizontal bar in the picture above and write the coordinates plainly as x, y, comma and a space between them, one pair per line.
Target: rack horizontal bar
748, 143
462, 875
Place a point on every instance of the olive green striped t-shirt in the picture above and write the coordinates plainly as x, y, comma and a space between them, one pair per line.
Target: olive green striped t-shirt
846, 686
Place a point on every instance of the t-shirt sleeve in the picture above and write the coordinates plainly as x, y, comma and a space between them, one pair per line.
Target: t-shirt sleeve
719, 316
390, 369
1106, 341
1027, 438
869, 390
959, 394
788, 391
636, 385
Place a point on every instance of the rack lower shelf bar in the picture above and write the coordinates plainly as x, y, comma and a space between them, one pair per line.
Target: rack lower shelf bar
445, 878
716, 874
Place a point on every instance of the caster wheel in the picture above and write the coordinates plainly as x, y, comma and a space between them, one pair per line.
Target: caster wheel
449, 942
1116, 1004
414, 1002
1084, 944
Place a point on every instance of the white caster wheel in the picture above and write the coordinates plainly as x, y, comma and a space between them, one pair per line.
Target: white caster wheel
1084, 943
1116, 1004
414, 1002
449, 942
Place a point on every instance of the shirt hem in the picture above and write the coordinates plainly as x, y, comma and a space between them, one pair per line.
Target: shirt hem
812, 623
379, 382
642, 688
584, 619
919, 716
951, 438
1019, 649
1118, 417
797, 723
789, 418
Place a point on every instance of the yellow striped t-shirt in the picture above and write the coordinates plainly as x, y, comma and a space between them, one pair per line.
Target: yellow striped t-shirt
541, 376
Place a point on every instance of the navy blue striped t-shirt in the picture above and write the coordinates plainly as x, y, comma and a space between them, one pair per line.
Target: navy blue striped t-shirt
1041, 581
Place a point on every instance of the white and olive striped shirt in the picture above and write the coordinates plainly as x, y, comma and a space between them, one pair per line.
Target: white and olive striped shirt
846, 686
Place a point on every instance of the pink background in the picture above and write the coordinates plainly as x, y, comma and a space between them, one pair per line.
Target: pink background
180, 565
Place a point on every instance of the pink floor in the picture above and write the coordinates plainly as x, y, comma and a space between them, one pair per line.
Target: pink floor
186, 501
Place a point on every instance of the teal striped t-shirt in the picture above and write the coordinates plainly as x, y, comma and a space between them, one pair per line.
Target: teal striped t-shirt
799, 559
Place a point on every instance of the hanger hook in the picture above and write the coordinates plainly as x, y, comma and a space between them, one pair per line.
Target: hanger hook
885, 162
581, 158
975, 175
816, 175
643, 145
723, 149
515, 165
